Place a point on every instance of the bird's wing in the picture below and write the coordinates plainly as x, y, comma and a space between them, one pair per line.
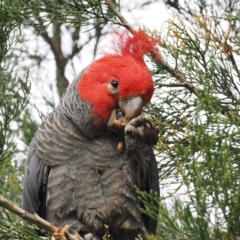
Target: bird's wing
151, 183
35, 183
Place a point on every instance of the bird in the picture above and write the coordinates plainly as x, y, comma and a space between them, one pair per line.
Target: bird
89, 155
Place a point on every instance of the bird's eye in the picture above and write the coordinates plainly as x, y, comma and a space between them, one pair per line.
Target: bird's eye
114, 83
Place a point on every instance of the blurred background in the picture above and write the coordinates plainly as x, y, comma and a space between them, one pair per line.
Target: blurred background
45, 44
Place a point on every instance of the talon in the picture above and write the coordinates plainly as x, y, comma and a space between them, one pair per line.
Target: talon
106, 236
91, 236
142, 128
60, 233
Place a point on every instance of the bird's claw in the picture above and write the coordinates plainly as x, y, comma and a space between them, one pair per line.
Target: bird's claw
60, 233
106, 236
141, 128
91, 236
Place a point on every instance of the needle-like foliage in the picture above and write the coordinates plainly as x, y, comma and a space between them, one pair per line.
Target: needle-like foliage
196, 106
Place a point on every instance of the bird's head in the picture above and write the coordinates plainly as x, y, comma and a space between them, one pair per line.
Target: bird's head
118, 85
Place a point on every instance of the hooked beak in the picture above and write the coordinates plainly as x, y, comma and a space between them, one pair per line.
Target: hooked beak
126, 110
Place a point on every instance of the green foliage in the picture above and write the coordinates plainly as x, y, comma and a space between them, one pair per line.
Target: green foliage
28, 127
13, 99
198, 150
14, 228
14, 92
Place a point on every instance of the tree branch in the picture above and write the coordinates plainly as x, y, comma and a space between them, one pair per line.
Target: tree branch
168, 68
60, 59
165, 66
122, 20
35, 219
187, 85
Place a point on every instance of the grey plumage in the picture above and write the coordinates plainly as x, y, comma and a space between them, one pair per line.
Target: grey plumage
75, 175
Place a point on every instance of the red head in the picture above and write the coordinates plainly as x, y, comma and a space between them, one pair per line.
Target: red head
116, 77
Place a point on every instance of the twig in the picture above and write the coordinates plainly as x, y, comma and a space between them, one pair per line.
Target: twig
187, 85
124, 22
35, 219
168, 68
165, 66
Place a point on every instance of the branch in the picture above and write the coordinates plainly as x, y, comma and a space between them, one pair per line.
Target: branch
187, 85
168, 68
35, 219
122, 20
60, 59
165, 66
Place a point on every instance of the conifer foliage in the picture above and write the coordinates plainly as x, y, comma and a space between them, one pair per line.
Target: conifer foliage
196, 106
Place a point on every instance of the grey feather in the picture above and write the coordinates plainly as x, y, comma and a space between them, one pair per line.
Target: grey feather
89, 182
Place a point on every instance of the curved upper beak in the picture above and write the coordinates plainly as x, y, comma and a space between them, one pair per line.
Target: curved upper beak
131, 107
126, 110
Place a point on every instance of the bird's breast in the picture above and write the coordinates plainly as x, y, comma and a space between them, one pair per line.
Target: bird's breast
91, 182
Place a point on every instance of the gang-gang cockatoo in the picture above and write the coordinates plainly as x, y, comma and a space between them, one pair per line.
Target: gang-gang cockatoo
89, 155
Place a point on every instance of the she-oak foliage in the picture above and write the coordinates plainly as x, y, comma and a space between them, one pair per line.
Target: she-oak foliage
198, 149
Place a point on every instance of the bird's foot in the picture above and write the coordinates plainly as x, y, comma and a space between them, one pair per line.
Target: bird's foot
63, 234
140, 128
60, 233
106, 236
91, 236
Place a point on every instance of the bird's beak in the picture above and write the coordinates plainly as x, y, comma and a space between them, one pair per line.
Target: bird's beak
126, 110
131, 107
